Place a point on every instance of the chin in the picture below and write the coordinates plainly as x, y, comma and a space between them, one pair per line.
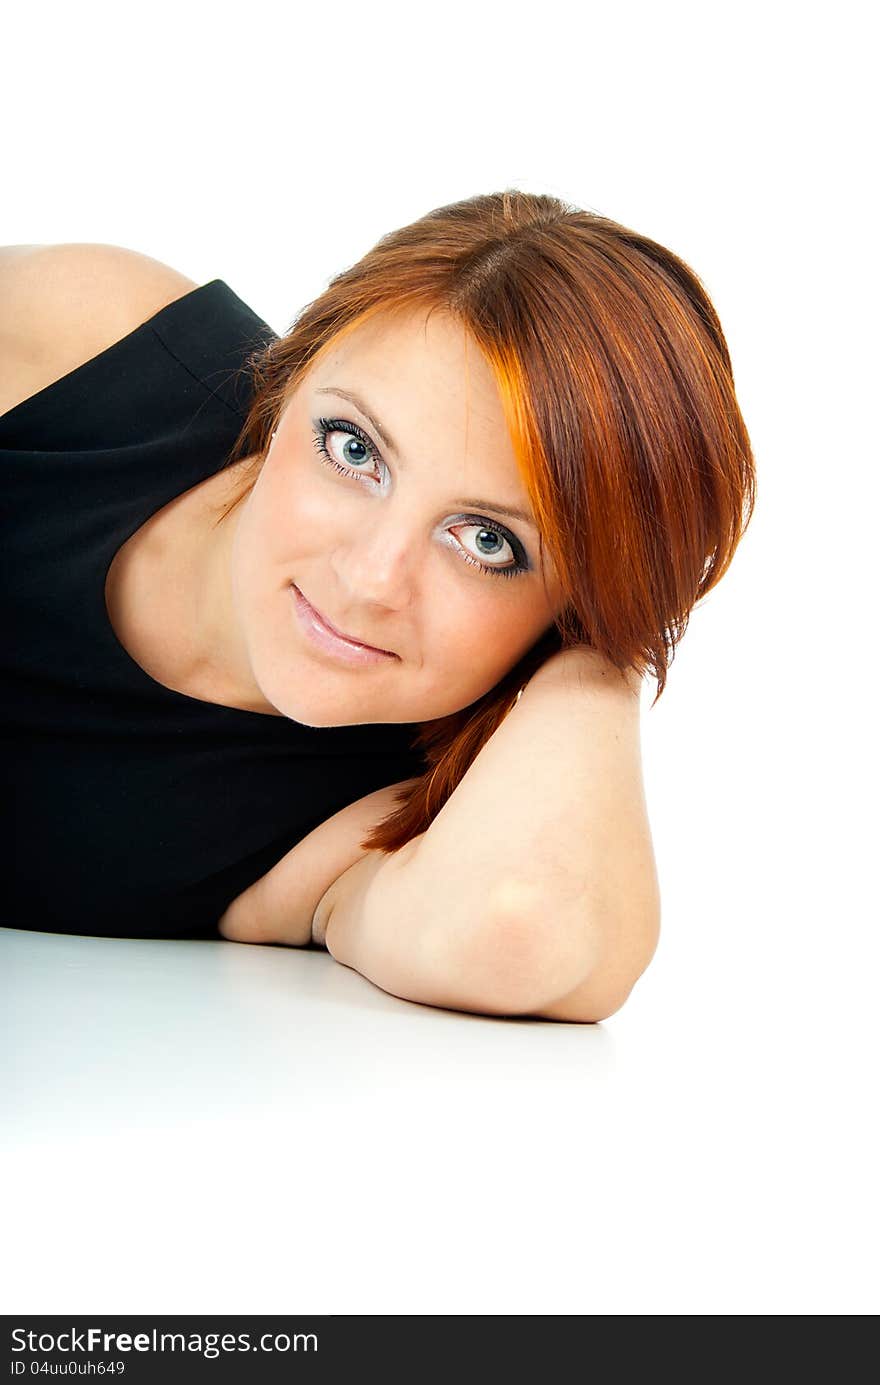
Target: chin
321, 711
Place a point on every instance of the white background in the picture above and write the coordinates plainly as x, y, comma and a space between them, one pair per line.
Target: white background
321, 1146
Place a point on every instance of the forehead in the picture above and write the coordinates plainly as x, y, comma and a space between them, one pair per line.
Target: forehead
426, 354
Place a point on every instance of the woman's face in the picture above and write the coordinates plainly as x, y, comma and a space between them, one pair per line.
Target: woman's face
387, 547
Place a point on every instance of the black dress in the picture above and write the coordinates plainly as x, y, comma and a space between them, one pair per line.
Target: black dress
130, 809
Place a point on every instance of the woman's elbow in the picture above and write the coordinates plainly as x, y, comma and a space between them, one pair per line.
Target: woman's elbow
572, 966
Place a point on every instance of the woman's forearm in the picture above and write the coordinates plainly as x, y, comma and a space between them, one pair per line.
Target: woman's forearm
280, 905
404, 933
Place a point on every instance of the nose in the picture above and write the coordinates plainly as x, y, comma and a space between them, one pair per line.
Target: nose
374, 565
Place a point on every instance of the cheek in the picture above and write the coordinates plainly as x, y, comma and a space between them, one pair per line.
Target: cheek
292, 517
474, 632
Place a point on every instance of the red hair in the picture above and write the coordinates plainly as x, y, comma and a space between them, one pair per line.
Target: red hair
618, 393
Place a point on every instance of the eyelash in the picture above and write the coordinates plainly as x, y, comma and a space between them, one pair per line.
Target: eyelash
340, 425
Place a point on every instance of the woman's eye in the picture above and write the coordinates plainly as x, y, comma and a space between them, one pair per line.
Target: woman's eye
353, 458
354, 454
490, 544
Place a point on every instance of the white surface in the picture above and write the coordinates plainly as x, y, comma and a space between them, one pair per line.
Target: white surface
216, 1127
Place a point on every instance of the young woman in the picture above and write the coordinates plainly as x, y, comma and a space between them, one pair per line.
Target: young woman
338, 637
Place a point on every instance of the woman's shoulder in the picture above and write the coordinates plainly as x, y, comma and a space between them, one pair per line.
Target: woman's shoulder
61, 305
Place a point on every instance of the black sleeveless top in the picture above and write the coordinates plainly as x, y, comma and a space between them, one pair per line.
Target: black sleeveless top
130, 809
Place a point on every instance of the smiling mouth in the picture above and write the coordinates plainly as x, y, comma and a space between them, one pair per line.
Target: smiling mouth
340, 634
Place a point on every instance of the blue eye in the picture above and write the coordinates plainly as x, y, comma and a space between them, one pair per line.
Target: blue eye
325, 426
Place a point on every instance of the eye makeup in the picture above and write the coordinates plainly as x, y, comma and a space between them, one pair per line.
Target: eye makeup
323, 427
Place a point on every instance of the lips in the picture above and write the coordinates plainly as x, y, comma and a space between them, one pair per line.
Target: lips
341, 634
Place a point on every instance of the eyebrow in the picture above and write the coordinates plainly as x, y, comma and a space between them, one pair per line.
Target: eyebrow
512, 511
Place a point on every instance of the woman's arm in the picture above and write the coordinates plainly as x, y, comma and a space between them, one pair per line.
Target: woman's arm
278, 908
60, 305
534, 891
